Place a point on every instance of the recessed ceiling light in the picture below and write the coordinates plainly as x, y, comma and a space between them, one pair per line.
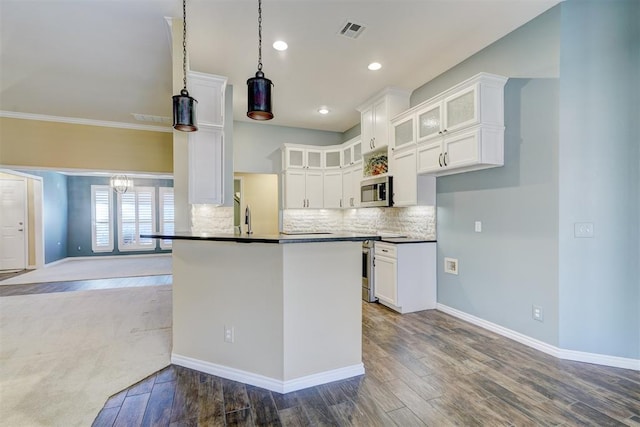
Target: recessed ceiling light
374, 66
280, 45
323, 110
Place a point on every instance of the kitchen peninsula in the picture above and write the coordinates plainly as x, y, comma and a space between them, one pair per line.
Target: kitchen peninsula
282, 312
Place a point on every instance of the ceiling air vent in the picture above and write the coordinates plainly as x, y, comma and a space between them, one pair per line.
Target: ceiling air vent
351, 30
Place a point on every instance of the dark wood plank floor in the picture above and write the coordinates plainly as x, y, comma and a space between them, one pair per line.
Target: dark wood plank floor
84, 285
424, 368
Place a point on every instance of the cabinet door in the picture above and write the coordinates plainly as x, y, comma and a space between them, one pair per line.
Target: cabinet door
430, 157
367, 129
347, 188
314, 159
332, 158
380, 125
347, 157
403, 133
357, 178
461, 150
357, 152
429, 122
461, 109
332, 189
294, 157
294, 189
206, 166
313, 189
209, 91
405, 182
385, 279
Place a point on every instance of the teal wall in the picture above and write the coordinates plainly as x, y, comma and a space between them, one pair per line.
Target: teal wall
599, 177
79, 214
257, 145
54, 189
571, 155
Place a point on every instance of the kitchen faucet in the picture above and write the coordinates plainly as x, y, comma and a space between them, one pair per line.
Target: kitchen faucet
247, 219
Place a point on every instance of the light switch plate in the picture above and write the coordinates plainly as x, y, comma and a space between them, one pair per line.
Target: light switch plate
478, 227
583, 229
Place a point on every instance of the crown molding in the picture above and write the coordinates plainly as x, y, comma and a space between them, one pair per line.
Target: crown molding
76, 121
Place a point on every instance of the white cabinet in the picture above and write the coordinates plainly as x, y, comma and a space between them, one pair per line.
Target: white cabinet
206, 146
351, 152
405, 276
477, 148
206, 165
332, 187
462, 129
303, 189
332, 158
409, 189
297, 156
375, 115
351, 178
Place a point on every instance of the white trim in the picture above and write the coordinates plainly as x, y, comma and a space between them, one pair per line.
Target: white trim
99, 257
77, 121
265, 382
578, 356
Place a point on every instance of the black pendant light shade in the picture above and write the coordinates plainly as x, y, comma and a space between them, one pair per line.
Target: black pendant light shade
184, 106
259, 97
259, 87
184, 112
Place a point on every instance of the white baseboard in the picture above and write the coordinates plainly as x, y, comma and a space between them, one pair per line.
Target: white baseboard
578, 356
272, 384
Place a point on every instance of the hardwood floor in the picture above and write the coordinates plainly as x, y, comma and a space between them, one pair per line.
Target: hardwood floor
425, 368
84, 285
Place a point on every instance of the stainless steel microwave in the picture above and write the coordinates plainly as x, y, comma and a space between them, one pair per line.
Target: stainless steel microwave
376, 191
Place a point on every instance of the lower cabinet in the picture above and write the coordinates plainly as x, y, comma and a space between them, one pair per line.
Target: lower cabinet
405, 276
303, 189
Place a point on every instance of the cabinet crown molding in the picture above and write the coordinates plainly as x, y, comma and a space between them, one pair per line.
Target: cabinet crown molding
389, 90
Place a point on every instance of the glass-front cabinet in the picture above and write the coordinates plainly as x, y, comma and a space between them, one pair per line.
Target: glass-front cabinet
333, 158
403, 132
429, 122
461, 109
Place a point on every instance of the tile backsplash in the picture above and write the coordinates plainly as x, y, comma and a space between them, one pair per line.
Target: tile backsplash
416, 221
211, 219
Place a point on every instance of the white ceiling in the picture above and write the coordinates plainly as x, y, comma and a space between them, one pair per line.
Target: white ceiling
106, 59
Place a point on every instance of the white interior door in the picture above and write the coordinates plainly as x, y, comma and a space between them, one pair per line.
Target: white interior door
13, 223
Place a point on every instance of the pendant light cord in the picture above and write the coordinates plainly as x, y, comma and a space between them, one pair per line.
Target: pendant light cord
259, 35
184, 43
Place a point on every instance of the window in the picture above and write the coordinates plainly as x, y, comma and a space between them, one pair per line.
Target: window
136, 215
101, 218
166, 215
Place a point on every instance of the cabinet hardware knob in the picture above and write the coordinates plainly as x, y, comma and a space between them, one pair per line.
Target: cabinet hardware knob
385, 250
440, 133
20, 229
440, 159
444, 130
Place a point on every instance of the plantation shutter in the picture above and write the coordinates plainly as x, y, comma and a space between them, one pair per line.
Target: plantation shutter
167, 216
101, 221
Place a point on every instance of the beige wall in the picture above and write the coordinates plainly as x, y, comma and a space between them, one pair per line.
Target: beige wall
42, 144
260, 192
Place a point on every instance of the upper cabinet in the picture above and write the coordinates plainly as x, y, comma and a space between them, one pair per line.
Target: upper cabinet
462, 129
299, 156
375, 115
208, 89
206, 146
333, 158
351, 152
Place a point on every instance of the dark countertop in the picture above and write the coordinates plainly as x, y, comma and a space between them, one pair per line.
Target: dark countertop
402, 240
266, 238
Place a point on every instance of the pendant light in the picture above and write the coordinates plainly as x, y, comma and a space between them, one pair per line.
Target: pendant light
121, 183
184, 106
259, 87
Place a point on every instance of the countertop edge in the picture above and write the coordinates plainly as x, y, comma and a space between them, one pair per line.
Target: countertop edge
267, 239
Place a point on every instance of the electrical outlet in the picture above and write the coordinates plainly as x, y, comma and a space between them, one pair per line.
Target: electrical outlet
583, 229
228, 334
536, 313
451, 266
478, 227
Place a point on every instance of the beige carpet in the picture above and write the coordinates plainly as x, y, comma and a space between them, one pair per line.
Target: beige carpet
63, 354
96, 268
